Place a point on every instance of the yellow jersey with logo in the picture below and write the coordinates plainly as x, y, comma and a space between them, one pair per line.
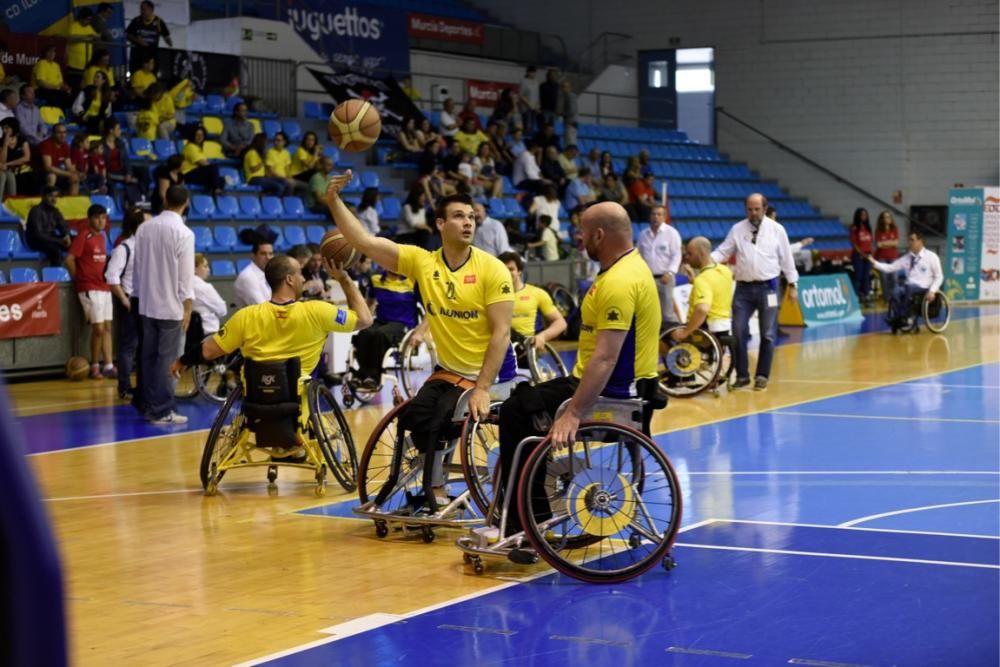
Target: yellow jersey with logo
623, 298
193, 154
48, 72
713, 286
272, 332
528, 302
455, 302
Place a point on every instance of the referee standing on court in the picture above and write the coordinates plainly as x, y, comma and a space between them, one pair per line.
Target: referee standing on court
762, 253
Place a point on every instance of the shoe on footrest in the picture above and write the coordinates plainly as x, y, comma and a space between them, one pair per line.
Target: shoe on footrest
293, 455
523, 556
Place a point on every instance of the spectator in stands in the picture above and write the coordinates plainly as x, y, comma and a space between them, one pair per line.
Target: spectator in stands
490, 236
612, 189
97, 171
164, 260
498, 148
279, 166
144, 78
55, 163
87, 257
546, 203
580, 191
406, 85
632, 173
506, 111
516, 144
8, 101
314, 274
119, 277
886, 249
468, 138
526, 174
430, 158
548, 241
642, 197
367, 211
435, 185
484, 171
146, 120
447, 123
660, 247
165, 177
861, 250
469, 113
144, 33
29, 116
80, 35
923, 278
161, 103
568, 104
99, 22
250, 287
645, 168
255, 170
413, 228
548, 97
593, 160
47, 79
15, 155
302, 254
99, 62
547, 137
426, 133
568, 161
197, 168
315, 199
552, 170
46, 230
238, 132
93, 105
410, 146
118, 163
528, 92
606, 165
760, 246
207, 301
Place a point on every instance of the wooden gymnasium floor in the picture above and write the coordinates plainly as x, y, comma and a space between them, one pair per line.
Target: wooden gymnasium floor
159, 574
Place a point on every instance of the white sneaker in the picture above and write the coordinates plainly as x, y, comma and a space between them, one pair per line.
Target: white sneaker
169, 419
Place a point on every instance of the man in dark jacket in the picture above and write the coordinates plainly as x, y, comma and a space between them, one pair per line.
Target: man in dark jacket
46, 230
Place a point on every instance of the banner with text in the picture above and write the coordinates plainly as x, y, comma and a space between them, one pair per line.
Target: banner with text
20, 52
393, 105
486, 93
823, 299
423, 26
989, 264
29, 309
359, 37
966, 250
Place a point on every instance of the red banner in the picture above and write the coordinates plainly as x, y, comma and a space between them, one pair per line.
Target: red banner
29, 309
486, 93
449, 30
19, 52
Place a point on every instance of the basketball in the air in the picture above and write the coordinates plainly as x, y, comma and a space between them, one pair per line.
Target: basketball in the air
355, 125
77, 368
335, 248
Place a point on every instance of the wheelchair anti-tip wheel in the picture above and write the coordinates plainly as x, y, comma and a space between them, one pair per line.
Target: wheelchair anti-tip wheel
229, 426
333, 435
689, 367
615, 501
936, 313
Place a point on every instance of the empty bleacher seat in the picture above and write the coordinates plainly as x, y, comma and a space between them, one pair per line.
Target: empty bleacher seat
203, 240
215, 104
232, 102
271, 127
23, 274
249, 208
368, 179
55, 274
212, 124
226, 208
21, 251
312, 110
234, 180
271, 208
202, 207
7, 237
294, 235
242, 264
164, 148
314, 233
224, 238
331, 152
141, 148
496, 208
391, 208
293, 130
3, 278
293, 208
223, 267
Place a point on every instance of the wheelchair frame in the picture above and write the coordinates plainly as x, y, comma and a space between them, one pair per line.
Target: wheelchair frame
201, 378
401, 366
922, 310
540, 371
689, 354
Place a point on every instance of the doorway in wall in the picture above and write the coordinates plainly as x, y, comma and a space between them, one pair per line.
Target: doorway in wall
696, 94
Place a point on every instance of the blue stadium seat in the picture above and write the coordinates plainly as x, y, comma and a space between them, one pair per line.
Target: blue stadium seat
392, 209
293, 207
331, 152
294, 235
355, 186
496, 208
249, 208
108, 203
55, 274
293, 130
234, 180
223, 267
226, 208
164, 148
369, 179
7, 216
141, 149
513, 208
242, 264
232, 102
215, 104
312, 110
224, 239
314, 233
271, 208
203, 240
3, 278
202, 207
7, 237
21, 251
280, 243
271, 127
23, 275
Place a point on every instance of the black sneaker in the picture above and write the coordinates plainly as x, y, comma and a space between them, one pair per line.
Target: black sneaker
739, 383
760, 384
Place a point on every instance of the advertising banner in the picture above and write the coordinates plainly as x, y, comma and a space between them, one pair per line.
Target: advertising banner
358, 37
486, 93
33, 16
965, 244
422, 26
29, 309
206, 71
393, 105
823, 299
989, 263
19, 52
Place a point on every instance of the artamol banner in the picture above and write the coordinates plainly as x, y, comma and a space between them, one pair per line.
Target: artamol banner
823, 299
972, 268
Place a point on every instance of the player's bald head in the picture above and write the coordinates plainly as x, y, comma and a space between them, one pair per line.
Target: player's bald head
699, 252
609, 216
700, 244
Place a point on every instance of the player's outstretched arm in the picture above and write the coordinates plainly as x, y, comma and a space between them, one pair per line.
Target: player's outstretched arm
383, 252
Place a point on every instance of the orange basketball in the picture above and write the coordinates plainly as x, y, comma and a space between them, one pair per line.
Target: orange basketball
355, 125
77, 368
336, 249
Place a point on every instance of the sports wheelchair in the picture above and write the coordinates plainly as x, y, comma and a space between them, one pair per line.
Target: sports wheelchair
936, 315
700, 362
282, 410
395, 485
604, 510
536, 366
403, 365
213, 380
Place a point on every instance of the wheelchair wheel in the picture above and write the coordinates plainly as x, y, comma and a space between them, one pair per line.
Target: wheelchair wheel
222, 439
186, 387
415, 364
481, 459
211, 381
937, 313
691, 366
545, 365
334, 435
562, 298
389, 477
618, 504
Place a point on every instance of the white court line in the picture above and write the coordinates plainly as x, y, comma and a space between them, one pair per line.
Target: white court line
872, 517
841, 527
902, 384
832, 555
840, 415
736, 473
120, 442
127, 494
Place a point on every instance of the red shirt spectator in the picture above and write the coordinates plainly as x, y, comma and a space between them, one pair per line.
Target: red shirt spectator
96, 163
886, 238
469, 112
861, 239
81, 160
91, 252
640, 188
59, 153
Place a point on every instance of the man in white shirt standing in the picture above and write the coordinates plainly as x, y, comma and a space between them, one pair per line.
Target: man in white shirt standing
528, 92
923, 277
251, 286
526, 174
447, 123
660, 246
762, 253
164, 255
491, 236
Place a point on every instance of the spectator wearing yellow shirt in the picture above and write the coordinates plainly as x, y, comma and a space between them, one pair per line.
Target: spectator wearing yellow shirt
147, 120
197, 168
47, 79
255, 170
93, 105
144, 78
80, 35
100, 62
279, 166
162, 105
305, 161
469, 138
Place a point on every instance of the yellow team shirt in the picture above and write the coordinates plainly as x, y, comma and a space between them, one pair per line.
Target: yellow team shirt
714, 286
624, 298
47, 72
142, 80
192, 155
146, 123
253, 166
279, 162
302, 161
164, 109
271, 332
78, 53
470, 142
90, 72
455, 304
527, 303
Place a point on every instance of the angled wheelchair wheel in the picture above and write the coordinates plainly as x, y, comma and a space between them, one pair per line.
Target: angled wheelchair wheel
616, 504
211, 381
334, 435
691, 366
545, 365
390, 472
416, 363
186, 387
224, 436
562, 298
481, 459
937, 313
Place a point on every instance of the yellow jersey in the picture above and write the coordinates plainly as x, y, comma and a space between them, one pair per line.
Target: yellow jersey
714, 286
164, 109
88, 75
146, 122
455, 304
253, 166
78, 53
192, 155
302, 161
528, 301
279, 162
623, 298
142, 80
272, 332
47, 72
